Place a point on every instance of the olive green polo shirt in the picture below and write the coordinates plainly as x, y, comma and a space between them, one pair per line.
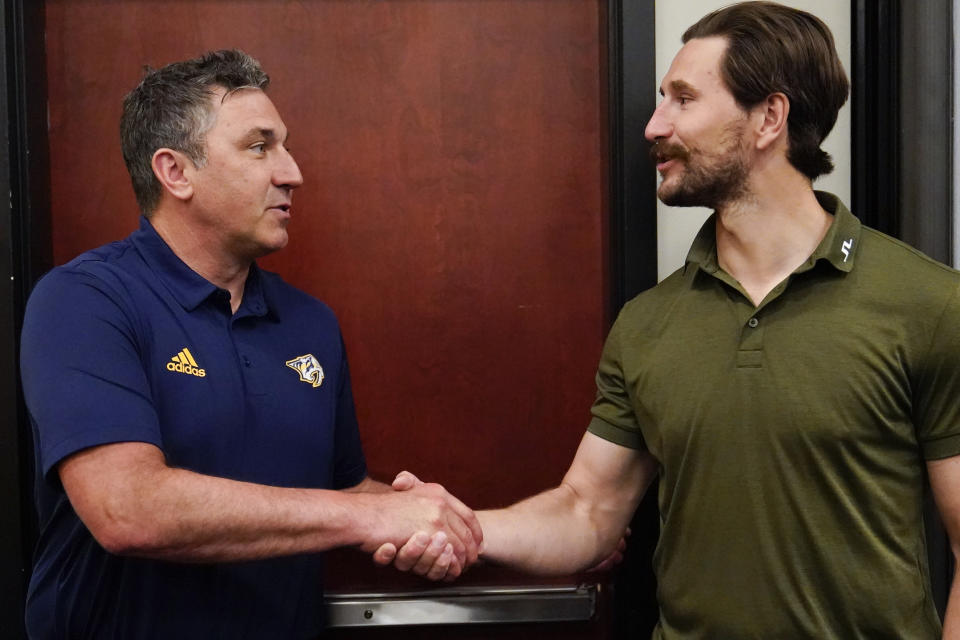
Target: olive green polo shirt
792, 436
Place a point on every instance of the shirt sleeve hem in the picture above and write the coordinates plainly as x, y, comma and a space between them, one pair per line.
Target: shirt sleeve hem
617, 435
941, 448
65, 448
352, 478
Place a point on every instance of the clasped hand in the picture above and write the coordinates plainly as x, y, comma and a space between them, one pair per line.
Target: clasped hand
446, 536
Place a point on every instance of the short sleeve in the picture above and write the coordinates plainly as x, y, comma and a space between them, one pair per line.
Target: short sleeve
350, 466
937, 396
614, 415
83, 378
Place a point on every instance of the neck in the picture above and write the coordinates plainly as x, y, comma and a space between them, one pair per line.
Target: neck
204, 253
763, 238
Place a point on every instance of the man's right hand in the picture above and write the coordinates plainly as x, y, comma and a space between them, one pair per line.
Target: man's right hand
432, 557
437, 535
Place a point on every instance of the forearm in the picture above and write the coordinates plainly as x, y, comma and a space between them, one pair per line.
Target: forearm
572, 527
552, 533
188, 517
951, 620
134, 504
944, 475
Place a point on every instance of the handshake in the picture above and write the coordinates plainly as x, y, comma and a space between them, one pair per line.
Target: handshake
420, 527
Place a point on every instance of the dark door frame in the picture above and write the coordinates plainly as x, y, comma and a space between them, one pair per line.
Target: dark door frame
632, 192
25, 252
875, 101
631, 177
902, 152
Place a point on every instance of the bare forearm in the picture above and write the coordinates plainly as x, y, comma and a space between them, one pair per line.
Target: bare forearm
944, 475
951, 621
134, 504
189, 517
549, 534
572, 527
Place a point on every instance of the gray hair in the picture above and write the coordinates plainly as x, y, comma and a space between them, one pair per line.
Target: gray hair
171, 108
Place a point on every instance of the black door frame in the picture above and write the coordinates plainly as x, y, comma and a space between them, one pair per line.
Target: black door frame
25, 252
632, 193
631, 179
902, 150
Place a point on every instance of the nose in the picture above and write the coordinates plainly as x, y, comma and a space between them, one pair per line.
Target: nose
287, 173
659, 125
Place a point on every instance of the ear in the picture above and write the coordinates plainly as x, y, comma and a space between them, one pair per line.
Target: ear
173, 169
772, 119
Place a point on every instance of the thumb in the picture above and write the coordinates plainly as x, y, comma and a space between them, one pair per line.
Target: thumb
405, 480
385, 554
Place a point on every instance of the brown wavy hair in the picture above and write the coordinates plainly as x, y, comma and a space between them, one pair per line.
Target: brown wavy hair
776, 49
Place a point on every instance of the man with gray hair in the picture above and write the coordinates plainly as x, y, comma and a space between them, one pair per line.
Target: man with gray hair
193, 419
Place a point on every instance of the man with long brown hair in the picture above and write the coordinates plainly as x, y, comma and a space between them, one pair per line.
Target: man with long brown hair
793, 384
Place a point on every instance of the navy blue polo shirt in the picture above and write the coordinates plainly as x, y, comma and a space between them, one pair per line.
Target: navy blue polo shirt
127, 344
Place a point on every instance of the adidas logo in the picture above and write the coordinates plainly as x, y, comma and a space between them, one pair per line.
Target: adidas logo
183, 362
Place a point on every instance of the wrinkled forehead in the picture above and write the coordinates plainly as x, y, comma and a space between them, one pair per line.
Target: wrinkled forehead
246, 109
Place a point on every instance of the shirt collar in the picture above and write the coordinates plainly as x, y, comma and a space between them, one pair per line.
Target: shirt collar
186, 285
256, 301
838, 247
703, 251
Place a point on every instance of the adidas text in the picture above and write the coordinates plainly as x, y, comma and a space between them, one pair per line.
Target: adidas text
186, 368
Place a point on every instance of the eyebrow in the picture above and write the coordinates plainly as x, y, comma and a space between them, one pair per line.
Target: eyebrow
680, 86
263, 132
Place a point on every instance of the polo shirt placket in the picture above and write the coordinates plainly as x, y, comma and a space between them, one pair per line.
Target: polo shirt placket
836, 248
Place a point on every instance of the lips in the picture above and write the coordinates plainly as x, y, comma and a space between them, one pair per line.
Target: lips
663, 154
664, 164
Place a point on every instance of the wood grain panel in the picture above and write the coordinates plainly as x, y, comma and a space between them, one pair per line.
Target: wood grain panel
452, 213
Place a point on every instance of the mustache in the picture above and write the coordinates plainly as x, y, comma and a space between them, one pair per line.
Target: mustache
661, 151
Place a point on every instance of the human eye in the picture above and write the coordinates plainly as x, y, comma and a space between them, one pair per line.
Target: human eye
683, 100
260, 147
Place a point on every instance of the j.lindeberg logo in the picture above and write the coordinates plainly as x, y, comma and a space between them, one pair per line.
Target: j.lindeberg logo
308, 368
183, 362
845, 248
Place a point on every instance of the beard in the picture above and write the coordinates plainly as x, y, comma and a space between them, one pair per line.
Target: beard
708, 179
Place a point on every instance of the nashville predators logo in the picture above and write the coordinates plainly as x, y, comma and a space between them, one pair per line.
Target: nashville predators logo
308, 368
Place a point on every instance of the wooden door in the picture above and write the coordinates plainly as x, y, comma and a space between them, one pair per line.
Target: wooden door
453, 216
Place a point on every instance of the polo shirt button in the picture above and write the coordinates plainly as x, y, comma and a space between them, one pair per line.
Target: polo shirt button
752, 323
246, 361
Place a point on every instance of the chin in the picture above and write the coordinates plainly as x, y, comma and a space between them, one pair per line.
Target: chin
272, 245
671, 197
679, 195
279, 244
